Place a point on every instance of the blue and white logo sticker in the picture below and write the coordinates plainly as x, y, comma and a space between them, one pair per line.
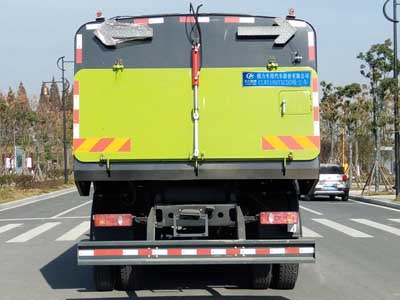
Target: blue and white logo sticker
276, 79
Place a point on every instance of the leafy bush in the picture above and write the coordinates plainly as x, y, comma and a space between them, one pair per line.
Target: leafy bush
24, 182
6, 180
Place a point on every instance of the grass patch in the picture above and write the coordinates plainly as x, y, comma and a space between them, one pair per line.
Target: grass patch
8, 194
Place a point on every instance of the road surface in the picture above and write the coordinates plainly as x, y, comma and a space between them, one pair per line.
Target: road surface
358, 257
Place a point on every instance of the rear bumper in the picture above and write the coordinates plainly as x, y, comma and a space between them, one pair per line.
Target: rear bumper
142, 171
199, 252
339, 192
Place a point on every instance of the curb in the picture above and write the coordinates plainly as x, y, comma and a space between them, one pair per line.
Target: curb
33, 199
375, 201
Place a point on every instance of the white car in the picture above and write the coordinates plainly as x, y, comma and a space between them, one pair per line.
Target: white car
332, 182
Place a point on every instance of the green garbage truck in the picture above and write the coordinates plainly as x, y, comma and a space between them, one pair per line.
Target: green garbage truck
198, 133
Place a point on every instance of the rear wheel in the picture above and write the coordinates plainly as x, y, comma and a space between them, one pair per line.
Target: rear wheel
104, 278
129, 278
284, 276
345, 197
261, 276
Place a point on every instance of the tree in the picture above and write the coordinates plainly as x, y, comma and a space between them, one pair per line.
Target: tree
350, 114
329, 113
378, 67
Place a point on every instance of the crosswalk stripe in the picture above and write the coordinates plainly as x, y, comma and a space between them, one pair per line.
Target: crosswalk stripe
379, 226
308, 233
9, 227
342, 228
395, 220
30, 234
75, 232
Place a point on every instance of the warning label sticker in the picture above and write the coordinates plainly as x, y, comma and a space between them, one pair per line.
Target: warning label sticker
276, 79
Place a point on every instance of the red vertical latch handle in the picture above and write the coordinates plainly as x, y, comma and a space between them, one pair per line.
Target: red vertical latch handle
195, 64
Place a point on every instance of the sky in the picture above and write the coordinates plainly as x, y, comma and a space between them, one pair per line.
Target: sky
33, 33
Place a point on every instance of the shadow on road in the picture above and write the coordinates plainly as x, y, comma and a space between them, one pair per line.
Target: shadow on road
162, 283
63, 272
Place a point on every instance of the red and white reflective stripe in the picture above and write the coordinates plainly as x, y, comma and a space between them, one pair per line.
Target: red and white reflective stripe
315, 106
76, 110
248, 20
149, 21
190, 19
311, 46
78, 51
217, 252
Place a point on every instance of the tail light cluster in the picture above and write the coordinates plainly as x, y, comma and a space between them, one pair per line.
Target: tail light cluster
278, 217
113, 220
345, 178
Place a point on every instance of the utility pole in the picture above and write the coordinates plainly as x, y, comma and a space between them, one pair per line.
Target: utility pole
396, 95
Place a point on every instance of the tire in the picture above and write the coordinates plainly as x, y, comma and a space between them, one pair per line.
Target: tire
345, 197
261, 276
104, 278
284, 276
129, 278
332, 198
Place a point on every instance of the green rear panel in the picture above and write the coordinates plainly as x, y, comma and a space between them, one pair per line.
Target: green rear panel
153, 107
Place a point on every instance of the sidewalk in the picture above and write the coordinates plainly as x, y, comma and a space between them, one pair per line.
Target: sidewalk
383, 200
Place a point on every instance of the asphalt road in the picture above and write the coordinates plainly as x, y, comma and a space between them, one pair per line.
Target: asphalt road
358, 257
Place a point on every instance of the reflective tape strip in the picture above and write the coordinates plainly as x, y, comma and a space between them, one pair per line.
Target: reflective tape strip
263, 251
315, 99
239, 20
203, 252
108, 252
305, 142
144, 252
277, 143
75, 130
76, 101
249, 251
130, 252
98, 145
86, 252
174, 252
311, 46
292, 250
76, 116
247, 20
315, 85
92, 26
292, 142
158, 252
306, 250
78, 51
149, 21
190, 19
189, 252
198, 252
79, 41
297, 23
316, 128
316, 113
76, 87
218, 251
277, 250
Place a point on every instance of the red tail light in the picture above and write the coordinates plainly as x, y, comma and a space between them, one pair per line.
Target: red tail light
112, 220
279, 217
345, 178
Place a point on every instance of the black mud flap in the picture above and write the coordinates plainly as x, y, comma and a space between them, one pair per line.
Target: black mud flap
199, 252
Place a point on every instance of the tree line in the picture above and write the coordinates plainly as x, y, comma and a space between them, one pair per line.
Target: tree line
35, 125
357, 119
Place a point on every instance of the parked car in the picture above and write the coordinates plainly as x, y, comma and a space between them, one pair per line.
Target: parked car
332, 182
